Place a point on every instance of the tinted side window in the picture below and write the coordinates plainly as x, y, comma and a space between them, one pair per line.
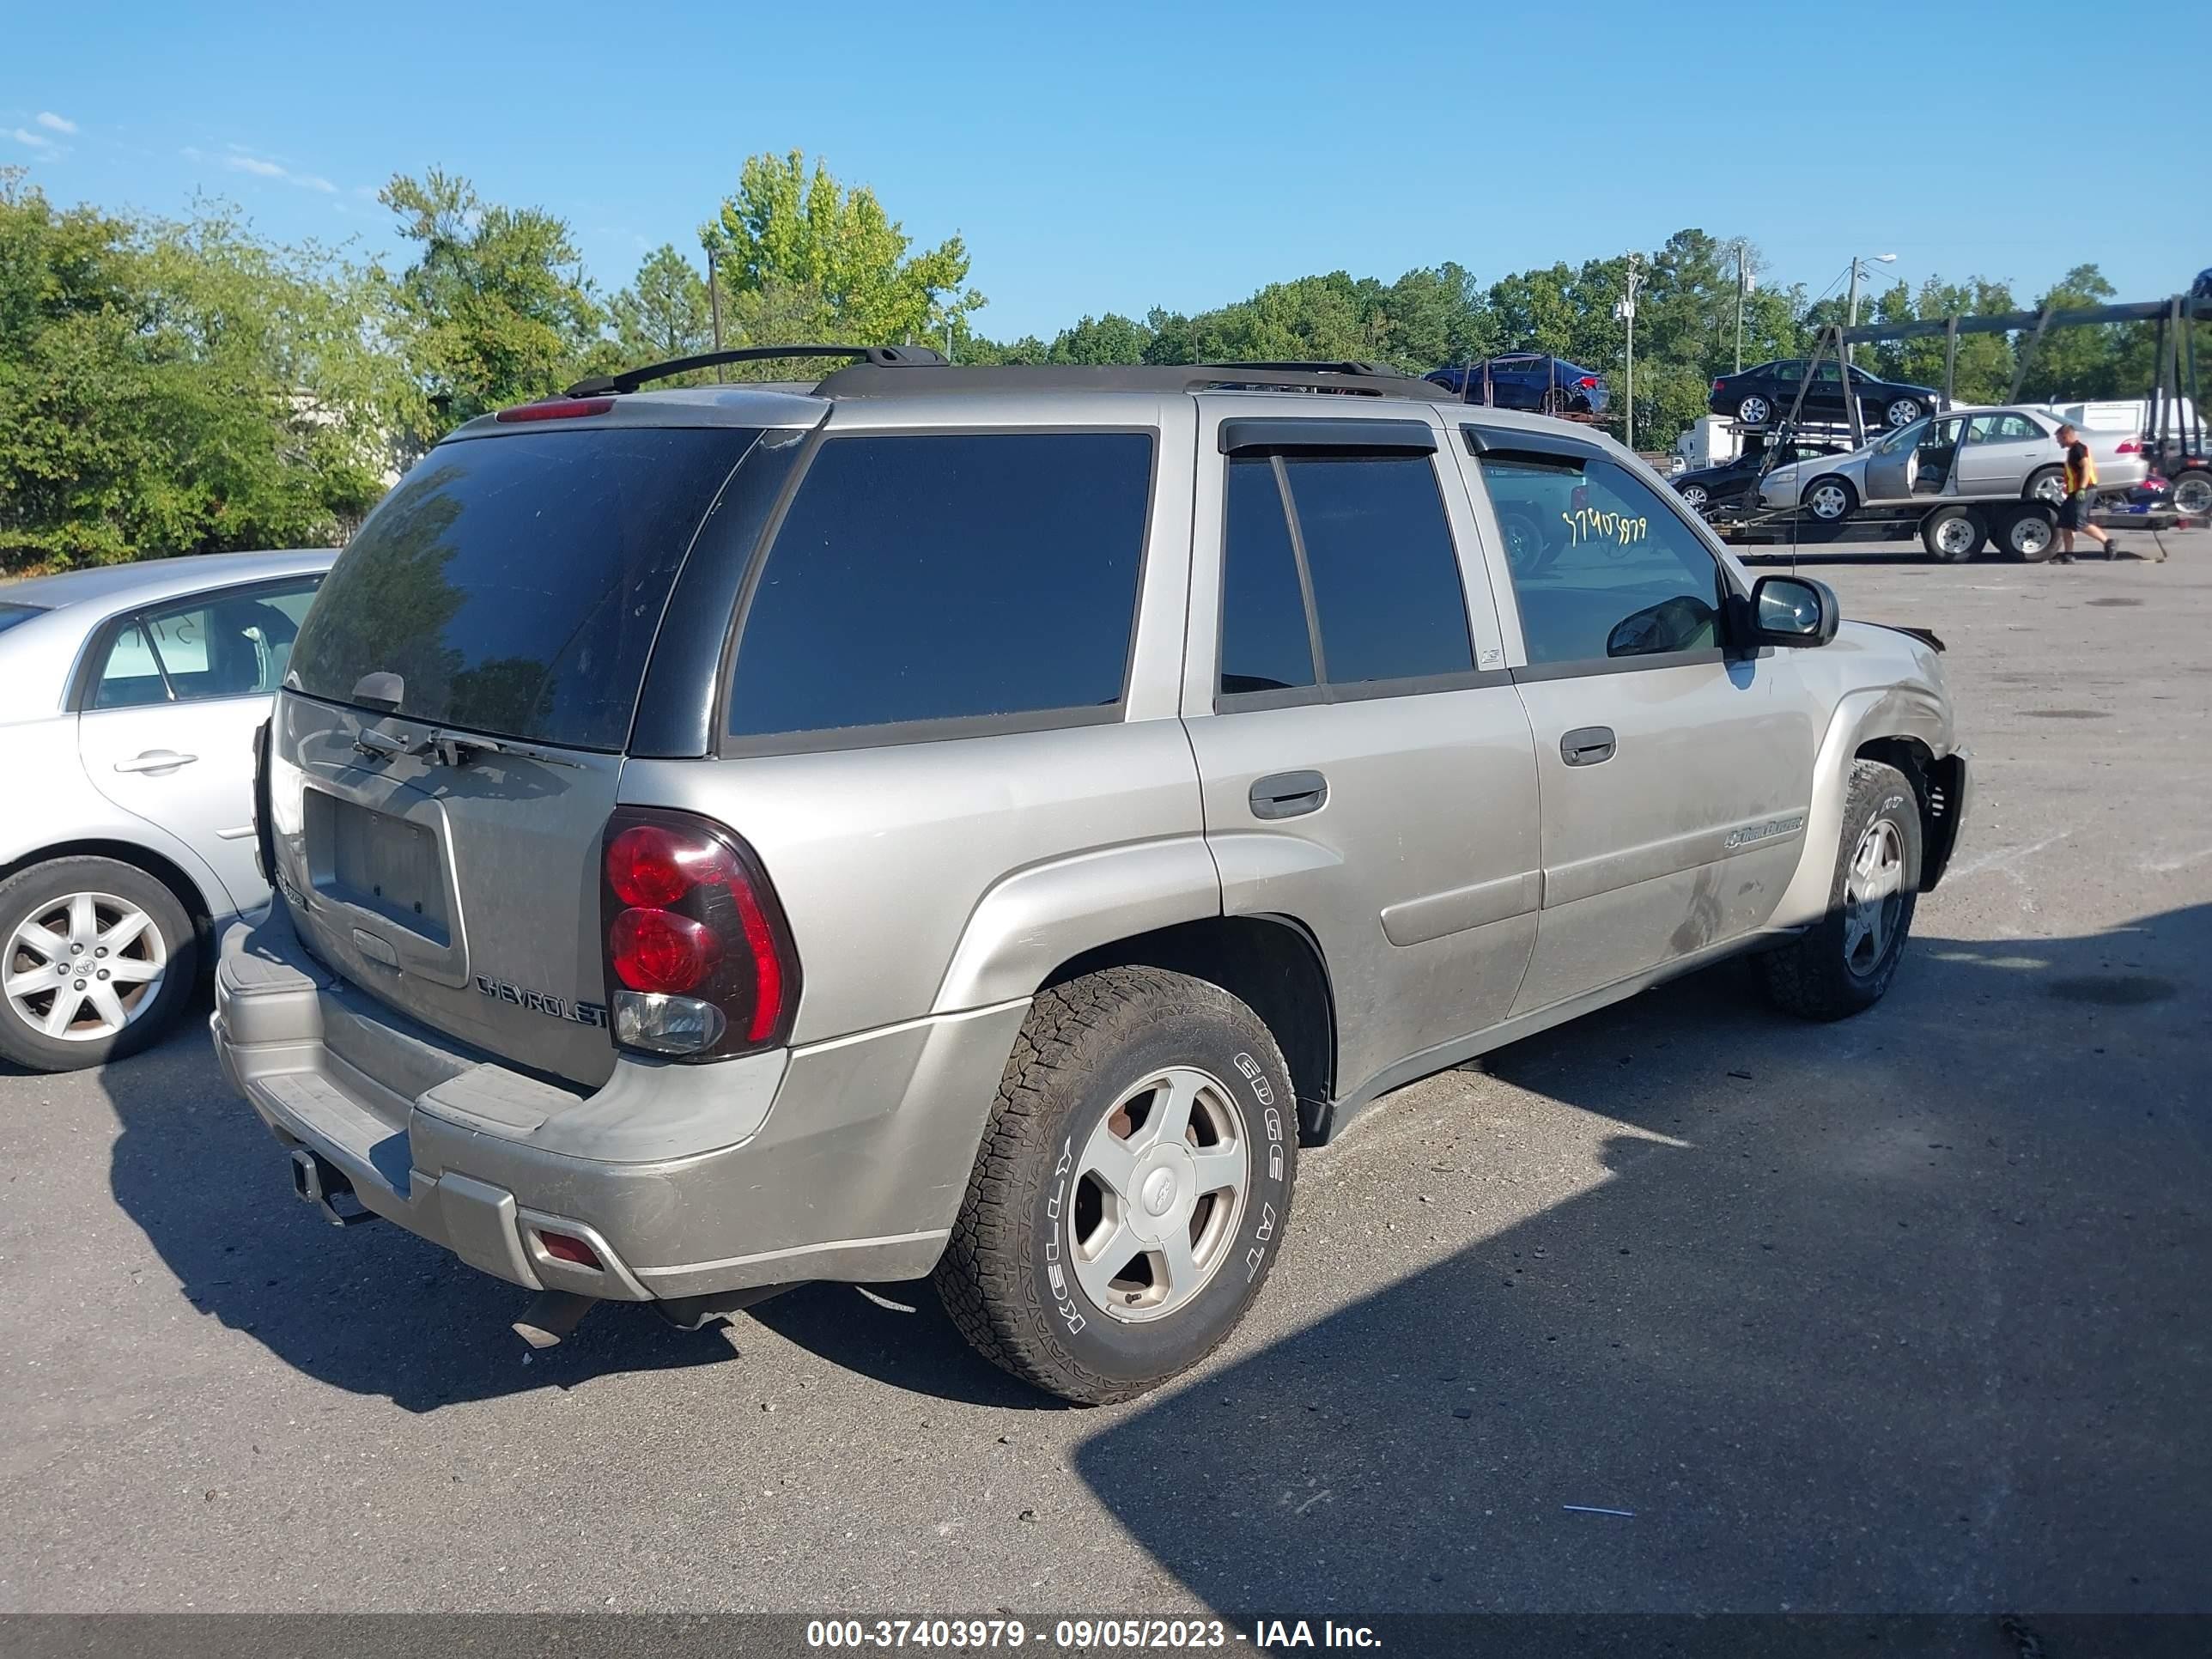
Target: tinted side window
233, 645
947, 577
1385, 578
1601, 568
1264, 643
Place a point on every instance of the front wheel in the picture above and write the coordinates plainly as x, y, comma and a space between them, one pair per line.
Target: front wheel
1831, 500
1846, 963
1131, 1189
1695, 498
96, 956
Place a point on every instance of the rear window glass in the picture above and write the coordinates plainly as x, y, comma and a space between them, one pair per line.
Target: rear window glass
12, 614
947, 577
514, 583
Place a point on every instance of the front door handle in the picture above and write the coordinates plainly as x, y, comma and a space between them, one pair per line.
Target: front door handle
1288, 794
1586, 745
156, 759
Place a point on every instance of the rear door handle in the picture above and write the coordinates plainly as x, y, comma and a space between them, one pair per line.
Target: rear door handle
1288, 794
1586, 745
156, 759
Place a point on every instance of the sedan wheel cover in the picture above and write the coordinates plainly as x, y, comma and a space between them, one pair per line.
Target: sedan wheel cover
1159, 1191
1873, 897
82, 967
1829, 502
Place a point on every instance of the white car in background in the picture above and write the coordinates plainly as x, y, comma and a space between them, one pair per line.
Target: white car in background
131, 696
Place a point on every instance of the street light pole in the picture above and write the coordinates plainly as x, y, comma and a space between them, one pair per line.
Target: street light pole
1626, 312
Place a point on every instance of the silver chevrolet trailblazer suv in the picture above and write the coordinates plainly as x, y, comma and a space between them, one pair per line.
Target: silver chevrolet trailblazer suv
983, 822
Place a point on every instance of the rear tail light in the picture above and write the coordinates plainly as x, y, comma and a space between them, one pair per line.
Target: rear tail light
2129, 446
700, 962
1717, 385
557, 409
1589, 382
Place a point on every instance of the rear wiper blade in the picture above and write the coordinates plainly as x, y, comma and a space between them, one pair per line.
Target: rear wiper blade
450, 748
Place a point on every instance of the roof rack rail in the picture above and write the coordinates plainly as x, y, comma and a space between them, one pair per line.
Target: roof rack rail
599, 386
1363, 380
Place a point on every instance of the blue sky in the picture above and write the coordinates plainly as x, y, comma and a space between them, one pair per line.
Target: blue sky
1115, 156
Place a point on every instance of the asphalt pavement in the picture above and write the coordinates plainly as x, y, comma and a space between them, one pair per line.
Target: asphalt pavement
1908, 1313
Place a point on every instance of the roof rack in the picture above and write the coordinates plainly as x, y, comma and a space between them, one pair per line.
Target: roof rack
599, 386
869, 378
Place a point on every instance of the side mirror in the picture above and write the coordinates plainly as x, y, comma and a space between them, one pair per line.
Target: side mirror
1793, 610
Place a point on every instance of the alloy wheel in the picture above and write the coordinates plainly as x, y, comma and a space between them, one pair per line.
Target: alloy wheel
1753, 411
1874, 895
1902, 413
1829, 502
1694, 497
81, 968
1159, 1188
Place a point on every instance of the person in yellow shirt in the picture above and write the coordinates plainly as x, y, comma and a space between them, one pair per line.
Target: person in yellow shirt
2081, 498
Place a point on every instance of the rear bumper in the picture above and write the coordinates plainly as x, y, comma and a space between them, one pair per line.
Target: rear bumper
844, 1160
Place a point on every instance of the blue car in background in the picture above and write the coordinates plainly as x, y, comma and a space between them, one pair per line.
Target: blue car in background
1530, 381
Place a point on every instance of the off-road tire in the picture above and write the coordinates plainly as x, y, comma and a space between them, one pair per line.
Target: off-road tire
24, 894
1811, 977
1083, 1044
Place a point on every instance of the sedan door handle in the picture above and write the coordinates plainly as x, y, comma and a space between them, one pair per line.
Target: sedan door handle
156, 759
1288, 794
1587, 745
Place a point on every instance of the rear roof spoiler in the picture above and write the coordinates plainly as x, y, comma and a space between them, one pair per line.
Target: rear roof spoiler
600, 386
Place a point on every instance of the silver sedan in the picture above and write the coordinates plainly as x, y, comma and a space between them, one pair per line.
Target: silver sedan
2008, 453
133, 693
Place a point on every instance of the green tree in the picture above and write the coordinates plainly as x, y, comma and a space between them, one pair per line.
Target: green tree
182, 387
1110, 339
808, 261
495, 309
664, 312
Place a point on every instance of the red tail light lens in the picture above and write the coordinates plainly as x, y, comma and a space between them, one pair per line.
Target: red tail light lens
557, 409
661, 952
700, 960
2129, 446
1589, 382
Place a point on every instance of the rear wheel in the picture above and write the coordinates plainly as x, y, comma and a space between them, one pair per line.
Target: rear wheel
1953, 534
1131, 1189
96, 956
2192, 494
1902, 412
1831, 500
2029, 533
1845, 964
1754, 410
1694, 497
2046, 485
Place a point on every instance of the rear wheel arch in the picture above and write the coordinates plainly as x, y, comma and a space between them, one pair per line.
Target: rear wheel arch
164, 870
1272, 964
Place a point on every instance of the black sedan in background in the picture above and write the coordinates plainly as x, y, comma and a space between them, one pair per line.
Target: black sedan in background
1710, 488
1760, 397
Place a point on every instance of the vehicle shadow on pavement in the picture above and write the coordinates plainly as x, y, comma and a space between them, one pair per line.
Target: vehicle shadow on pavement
372, 1308
1908, 1312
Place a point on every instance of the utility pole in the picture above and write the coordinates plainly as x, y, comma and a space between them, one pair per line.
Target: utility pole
715, 301
1852, 305
1626, 312
1742, 287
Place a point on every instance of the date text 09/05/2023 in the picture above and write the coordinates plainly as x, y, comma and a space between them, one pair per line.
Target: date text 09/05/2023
1085, 1634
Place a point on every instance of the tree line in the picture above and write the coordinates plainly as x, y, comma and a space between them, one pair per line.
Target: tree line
184, 386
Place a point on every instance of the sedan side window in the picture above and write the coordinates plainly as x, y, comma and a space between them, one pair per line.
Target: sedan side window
1601, 568
225, 645
2002, 430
